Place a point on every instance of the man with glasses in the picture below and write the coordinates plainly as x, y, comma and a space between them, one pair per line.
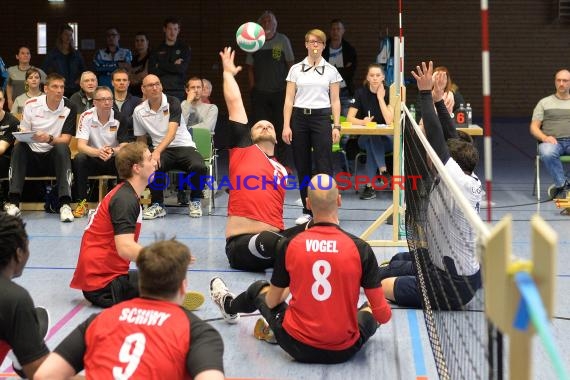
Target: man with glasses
173, 148
101, 133
52, 118
111, 58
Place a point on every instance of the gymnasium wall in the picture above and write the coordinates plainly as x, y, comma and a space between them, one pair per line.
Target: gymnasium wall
528, 44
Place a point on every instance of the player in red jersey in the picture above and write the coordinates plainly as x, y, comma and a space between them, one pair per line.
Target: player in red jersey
255, 206
151, 337
22, 326
323, 268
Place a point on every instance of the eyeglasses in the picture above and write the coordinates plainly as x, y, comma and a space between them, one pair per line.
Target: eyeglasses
151, 85
314, 42
104, 99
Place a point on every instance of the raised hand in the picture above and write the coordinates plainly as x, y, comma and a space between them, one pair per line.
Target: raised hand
424, 76
227, 55
439, 82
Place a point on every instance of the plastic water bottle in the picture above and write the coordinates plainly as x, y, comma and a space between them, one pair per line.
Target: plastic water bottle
413, 111
469, 112
461, 116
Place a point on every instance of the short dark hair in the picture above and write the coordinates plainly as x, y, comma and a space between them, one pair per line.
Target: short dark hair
162, 267
54, 76
464, 153
171, 20
337, 21
119, 70
194, 78
130, 154
12, 236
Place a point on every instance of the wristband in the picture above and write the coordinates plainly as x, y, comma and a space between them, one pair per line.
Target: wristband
337, 127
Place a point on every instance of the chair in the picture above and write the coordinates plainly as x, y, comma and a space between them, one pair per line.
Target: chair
565, 159
205, 146
337, 149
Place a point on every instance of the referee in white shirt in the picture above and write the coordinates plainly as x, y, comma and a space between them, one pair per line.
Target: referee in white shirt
312, 96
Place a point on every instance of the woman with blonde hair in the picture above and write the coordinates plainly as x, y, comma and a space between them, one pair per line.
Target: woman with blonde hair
311, 97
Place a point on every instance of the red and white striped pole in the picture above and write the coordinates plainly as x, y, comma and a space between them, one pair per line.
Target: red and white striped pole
401, 41
486, 103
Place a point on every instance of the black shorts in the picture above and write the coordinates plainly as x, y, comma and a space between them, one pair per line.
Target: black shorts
122, 288
302, 352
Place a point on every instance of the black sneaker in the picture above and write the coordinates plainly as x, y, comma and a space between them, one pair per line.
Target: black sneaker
556, 192
368, 193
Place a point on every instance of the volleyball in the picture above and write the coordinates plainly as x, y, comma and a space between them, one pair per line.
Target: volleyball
250, 37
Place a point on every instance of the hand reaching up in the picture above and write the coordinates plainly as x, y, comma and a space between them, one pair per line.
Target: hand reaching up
424, 76
439, 82
227, 55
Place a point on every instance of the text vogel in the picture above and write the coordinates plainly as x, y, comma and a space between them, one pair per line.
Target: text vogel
324, 246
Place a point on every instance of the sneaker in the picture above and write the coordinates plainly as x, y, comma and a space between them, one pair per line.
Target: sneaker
193, 300
219, 292
556, 192
81, 209
299, 202
262, 331
153, 212
305, 218
195, 209
12, 209
182, 198
65, 214
368, 192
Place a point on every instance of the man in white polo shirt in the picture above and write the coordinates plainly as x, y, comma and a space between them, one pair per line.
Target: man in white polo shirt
101, 132
159, 117
52, 118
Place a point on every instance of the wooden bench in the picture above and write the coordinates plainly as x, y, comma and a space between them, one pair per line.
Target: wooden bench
38, 206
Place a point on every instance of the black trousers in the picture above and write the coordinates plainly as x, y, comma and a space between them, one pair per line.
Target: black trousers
184, 158
312, 140
27, 162
85, 166
122, 288
269, 106
251, 299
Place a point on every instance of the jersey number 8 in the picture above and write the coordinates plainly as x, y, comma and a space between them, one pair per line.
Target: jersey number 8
321, 288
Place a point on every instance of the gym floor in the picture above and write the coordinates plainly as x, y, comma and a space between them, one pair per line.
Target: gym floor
399, 350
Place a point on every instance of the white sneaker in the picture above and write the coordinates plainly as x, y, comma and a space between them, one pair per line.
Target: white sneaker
299, 202
219, 292
305, 218
195, 209
154, 211
12, 209
65, 214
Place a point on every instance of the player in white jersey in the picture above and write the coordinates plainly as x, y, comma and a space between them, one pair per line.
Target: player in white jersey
457, 269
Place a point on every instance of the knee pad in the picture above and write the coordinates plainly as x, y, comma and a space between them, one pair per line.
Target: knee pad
254, 289
264, 244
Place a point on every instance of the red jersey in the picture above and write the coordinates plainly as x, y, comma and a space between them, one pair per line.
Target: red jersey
257, 186
99, 262
324, 268
138, 339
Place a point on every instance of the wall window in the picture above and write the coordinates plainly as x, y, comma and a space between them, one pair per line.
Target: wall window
42, 37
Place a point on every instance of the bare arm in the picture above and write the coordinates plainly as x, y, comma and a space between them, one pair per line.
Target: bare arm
3, 146
210, 374
536, 131
127, 247
55, 367
276, 295
232, 94
334, 90
250, 76
9, 93
288, 111
386, 110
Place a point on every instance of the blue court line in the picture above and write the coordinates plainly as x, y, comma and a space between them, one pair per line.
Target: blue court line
417, 350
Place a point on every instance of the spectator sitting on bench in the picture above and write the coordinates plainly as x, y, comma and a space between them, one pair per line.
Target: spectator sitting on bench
52, 118
83, 99
101, 132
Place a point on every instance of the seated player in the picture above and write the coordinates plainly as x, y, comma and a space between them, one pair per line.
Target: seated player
255, 215
150, 337
22, 326
110, 240
458, 272
323, 268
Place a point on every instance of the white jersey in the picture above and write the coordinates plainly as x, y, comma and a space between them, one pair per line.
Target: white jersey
450, 229
96, 134
155, 123
37, 117
312, 83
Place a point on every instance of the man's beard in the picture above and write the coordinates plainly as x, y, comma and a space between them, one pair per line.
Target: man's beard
262, 138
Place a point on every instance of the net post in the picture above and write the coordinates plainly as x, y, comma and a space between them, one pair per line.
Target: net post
544, 242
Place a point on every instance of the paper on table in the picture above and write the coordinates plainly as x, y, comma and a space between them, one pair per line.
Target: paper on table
24, 136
